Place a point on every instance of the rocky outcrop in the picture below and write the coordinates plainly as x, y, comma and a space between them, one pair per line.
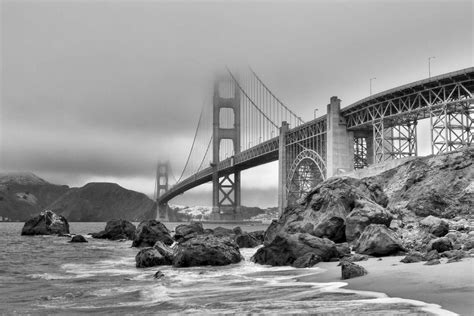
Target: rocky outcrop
117, 229
204, 250
259, 235
441, 244
351, 270
287, 248
46, 223
78, 238
308, 260
365, 213
378, 240
246, 240
186, 231
150, 257
149, 232
435, 225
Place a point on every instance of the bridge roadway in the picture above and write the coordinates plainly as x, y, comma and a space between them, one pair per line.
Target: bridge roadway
359, 115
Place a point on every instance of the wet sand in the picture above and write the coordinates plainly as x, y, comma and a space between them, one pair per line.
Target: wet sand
450, 285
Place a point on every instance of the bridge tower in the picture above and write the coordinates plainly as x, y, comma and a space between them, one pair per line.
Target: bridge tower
226, 195
162, 186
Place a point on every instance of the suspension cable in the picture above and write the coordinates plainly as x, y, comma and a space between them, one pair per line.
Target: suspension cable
205, 155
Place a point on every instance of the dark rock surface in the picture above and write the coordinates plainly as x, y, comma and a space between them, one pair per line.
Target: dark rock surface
355, 257
186, 231
204, 250
116, 230
441, 244
435, 225
78, 238
150, 257
246, 240
149, 232
351, 270
343, 249
365, 213
432, 262
259, 235
306, 261
286, 249
413, 257
378, 240
46, 223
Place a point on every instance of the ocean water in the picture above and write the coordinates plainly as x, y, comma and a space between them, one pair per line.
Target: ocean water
47, 275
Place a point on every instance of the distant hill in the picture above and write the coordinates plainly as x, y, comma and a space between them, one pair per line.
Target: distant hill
97, 202
23, 195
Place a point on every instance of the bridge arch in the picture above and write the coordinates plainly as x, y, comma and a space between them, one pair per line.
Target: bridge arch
306, 171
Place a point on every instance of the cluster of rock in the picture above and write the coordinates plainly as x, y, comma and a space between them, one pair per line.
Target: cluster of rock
46, 223
417, 208
192, 245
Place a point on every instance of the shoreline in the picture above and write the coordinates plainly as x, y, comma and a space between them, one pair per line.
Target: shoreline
449, 285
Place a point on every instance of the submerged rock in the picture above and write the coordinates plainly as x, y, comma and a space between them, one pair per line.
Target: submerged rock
286, 249
204, 250
158, 275
116, 230
378, 240
351, 270
46, 223
78, 238
149, 232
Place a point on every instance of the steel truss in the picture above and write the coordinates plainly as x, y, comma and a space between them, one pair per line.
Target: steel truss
451, 126
394, 141
360, 153
306, 171
226, 191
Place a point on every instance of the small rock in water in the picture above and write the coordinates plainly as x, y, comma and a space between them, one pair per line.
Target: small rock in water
69, 296
432, 262
351, 270
159, 275
78, 238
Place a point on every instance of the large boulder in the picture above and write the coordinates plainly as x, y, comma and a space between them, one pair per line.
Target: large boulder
435, 225
285, 249
46, 223
245, 240
378, 240
186, 231
223, 232
116, 229
441, 244
204, 250
149, 232
365, 212
150, 257
306, 261
258, 235
78, 238
351, 270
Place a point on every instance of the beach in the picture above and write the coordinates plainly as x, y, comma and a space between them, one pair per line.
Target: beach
450, 285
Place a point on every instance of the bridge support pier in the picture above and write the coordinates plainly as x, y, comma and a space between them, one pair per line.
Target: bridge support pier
226, 194
162, 186
340, 141
282, 169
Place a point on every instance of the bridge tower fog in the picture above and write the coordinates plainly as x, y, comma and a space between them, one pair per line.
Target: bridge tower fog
161, 187
226, 194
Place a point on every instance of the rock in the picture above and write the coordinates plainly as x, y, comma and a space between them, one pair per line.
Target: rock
237, 230
223, 232
468, 245
454, 259
435, 225
271, 232
158, 275
78, 238
149, 232
164, 250
246, 240
351, 270
258, 235
432, 262
46, 223
441, 244
378, 240
414, 256
396, 224
456, 254
204, 250
432, 255
116, 229
287, 248
185, 232
343, 249
365, 213
150, 257
452, 236
306, 261
333, 229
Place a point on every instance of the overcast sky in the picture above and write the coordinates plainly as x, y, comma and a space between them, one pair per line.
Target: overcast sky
99, 90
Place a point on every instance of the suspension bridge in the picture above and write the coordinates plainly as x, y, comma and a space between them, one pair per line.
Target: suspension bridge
248, 125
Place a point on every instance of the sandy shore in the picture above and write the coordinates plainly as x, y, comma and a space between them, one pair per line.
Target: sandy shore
449, 285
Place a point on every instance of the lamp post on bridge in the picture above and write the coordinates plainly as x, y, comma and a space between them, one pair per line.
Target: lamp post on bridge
370, 84
315, 113
429, 65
